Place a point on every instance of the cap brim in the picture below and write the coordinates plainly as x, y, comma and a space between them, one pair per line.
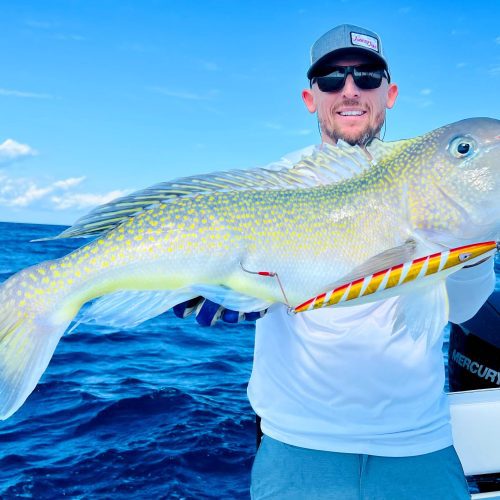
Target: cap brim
320, 67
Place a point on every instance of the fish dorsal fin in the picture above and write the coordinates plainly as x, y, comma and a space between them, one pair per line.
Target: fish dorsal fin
381, 150
325, 165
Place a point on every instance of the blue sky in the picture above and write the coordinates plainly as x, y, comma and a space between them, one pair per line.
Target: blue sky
99, 98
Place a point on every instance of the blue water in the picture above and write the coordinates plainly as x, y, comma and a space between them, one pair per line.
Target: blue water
159, 411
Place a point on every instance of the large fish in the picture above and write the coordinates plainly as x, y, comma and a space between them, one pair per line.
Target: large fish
336, 215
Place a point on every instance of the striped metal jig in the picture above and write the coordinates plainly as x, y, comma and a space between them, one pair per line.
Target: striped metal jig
399, 275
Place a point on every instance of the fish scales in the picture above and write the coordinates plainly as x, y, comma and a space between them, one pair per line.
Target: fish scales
309, 223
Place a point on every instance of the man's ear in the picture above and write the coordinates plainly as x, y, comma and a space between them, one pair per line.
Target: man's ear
309, 101
392, 93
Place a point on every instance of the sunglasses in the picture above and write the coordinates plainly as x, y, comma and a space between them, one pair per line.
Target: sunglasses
365, 76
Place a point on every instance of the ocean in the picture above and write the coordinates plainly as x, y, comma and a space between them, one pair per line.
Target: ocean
159, 411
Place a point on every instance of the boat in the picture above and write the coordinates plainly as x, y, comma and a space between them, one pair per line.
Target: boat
475, 417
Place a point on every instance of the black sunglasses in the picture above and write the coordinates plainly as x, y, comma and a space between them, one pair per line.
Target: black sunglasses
365, 76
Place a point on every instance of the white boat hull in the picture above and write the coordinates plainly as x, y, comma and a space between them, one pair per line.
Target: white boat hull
475, 419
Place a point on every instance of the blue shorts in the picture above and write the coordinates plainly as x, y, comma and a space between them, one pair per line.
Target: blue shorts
282, 471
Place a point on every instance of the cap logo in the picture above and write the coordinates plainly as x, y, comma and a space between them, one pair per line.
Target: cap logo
364, 41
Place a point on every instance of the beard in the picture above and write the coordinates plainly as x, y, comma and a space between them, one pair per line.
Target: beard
360, 138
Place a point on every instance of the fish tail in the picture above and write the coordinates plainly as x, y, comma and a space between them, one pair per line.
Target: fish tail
30, 328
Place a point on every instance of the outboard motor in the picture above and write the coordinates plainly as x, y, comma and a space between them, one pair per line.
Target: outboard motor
474, 349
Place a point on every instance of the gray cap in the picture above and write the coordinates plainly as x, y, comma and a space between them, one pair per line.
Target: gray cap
345, 39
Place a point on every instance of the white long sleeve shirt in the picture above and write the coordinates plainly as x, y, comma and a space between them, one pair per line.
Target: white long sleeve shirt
339, 379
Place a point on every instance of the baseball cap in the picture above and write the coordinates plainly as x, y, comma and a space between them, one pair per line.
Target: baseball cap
345, 39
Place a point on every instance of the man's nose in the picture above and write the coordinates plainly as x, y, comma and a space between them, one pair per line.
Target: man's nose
350, 89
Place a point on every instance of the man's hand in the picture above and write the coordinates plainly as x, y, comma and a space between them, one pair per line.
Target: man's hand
207, 313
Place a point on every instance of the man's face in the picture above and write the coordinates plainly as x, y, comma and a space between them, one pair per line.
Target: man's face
352, 114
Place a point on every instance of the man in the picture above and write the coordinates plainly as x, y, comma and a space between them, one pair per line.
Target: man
349, 409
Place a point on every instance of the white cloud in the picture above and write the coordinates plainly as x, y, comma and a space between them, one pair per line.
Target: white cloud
420, 101
84, 200
52, 27
273, 126
181, 94
302, 131
404, 10
281, 128
69, 36
69, 183
44, 25
497, 40
58, 195
11, 151
494, 70
31, 194
461, 65
425, 91
21, 93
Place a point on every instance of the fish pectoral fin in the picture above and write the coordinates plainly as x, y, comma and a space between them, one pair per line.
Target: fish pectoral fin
230, 299
419, 312
126, 309
381, 262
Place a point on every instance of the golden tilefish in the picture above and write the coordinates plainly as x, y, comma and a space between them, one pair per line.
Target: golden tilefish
249, 238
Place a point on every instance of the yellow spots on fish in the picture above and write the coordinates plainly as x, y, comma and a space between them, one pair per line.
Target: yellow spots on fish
138, 237
41, 271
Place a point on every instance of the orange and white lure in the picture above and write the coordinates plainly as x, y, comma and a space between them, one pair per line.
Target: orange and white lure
400, 274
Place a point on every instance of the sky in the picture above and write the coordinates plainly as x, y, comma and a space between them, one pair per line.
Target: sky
102, 98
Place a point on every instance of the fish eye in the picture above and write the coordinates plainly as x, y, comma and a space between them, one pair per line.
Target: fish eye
462, 147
